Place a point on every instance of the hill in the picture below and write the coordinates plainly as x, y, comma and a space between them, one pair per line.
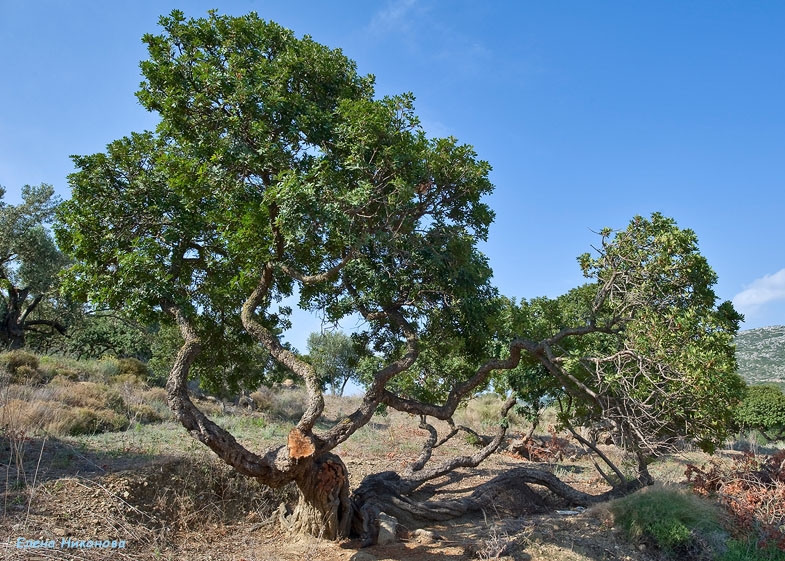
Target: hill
761, 354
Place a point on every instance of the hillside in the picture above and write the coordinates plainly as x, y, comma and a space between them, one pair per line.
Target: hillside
761, 354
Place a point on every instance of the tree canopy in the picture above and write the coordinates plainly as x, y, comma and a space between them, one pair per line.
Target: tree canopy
29, 264
763, 410
275, 169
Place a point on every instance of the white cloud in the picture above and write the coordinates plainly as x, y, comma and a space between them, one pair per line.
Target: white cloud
393, 17
769, 288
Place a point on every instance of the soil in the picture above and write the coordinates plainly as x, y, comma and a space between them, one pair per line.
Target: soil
187, 506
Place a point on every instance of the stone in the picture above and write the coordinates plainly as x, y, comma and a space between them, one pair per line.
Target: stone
425, 536
362, 556
388, 526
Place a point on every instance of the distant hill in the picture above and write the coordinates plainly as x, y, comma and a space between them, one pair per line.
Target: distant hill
761, 354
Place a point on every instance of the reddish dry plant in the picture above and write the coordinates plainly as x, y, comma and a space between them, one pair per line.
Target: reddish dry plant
542, 449
751, 488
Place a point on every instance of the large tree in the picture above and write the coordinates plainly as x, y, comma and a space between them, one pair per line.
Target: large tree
29, 264
275, 168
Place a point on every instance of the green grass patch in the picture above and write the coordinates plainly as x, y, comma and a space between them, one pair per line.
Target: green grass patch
750, 550
669, 519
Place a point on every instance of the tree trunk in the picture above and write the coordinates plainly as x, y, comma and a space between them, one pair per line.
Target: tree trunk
323, 509
13, 335
508, 494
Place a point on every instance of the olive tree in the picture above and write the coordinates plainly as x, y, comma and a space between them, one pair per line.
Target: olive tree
335, 358
29, 264
275, 169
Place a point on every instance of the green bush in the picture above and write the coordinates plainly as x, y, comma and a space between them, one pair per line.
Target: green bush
763, 410
672, 520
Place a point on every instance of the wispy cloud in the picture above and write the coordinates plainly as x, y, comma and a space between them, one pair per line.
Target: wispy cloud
767, 289
394, 17
418, 28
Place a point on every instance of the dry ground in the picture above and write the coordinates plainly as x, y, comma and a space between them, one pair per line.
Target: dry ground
168, 498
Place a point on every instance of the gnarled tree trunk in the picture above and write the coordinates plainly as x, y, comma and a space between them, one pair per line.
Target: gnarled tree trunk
323, 509
509, 493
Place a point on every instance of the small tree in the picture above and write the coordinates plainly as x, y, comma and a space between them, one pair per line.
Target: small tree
335, 359
29, 264
763, 410
645, 348
274, 167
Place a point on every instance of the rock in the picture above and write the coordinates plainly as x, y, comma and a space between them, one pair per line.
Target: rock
362, 556
388, 525
426, 536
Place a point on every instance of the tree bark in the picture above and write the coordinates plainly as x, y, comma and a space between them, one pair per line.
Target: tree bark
509, 493
13, 334
323, 509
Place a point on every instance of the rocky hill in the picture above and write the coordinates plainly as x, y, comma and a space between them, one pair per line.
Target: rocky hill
761, 354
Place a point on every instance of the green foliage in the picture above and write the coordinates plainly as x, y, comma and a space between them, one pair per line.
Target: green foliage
666, 518
272, 160
335, 358
763, 409
644, 346
97, 336
751, 549
29, 265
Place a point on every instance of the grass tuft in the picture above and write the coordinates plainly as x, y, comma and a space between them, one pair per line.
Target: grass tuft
670, 519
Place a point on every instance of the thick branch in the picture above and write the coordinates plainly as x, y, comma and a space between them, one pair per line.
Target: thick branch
283, 355
275, 468
321, 277
49, 323
415, 479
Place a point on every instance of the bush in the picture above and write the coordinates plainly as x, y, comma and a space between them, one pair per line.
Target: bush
131, 367
29, 416
284, 403
751, 488
669, 519
23, 368
12, 360
763, 410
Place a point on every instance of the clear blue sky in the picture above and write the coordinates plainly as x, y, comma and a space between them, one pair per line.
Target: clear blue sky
589, 112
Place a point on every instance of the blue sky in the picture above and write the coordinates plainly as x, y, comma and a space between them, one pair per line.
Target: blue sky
589, 113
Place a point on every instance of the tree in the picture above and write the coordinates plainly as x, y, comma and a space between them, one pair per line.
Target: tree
763, 410
29, 264
335, 359
274, 167
644, 348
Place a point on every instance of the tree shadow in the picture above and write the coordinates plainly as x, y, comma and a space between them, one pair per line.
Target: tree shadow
28, 461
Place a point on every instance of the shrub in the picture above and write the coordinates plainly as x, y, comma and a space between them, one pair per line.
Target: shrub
23, 367
27, 416
763, 409
128, 367
284, 403
12, 360
752, 490
672, 520
74, 421
90, 395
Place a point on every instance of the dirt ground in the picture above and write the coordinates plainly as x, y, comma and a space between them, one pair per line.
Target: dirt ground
187, 506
